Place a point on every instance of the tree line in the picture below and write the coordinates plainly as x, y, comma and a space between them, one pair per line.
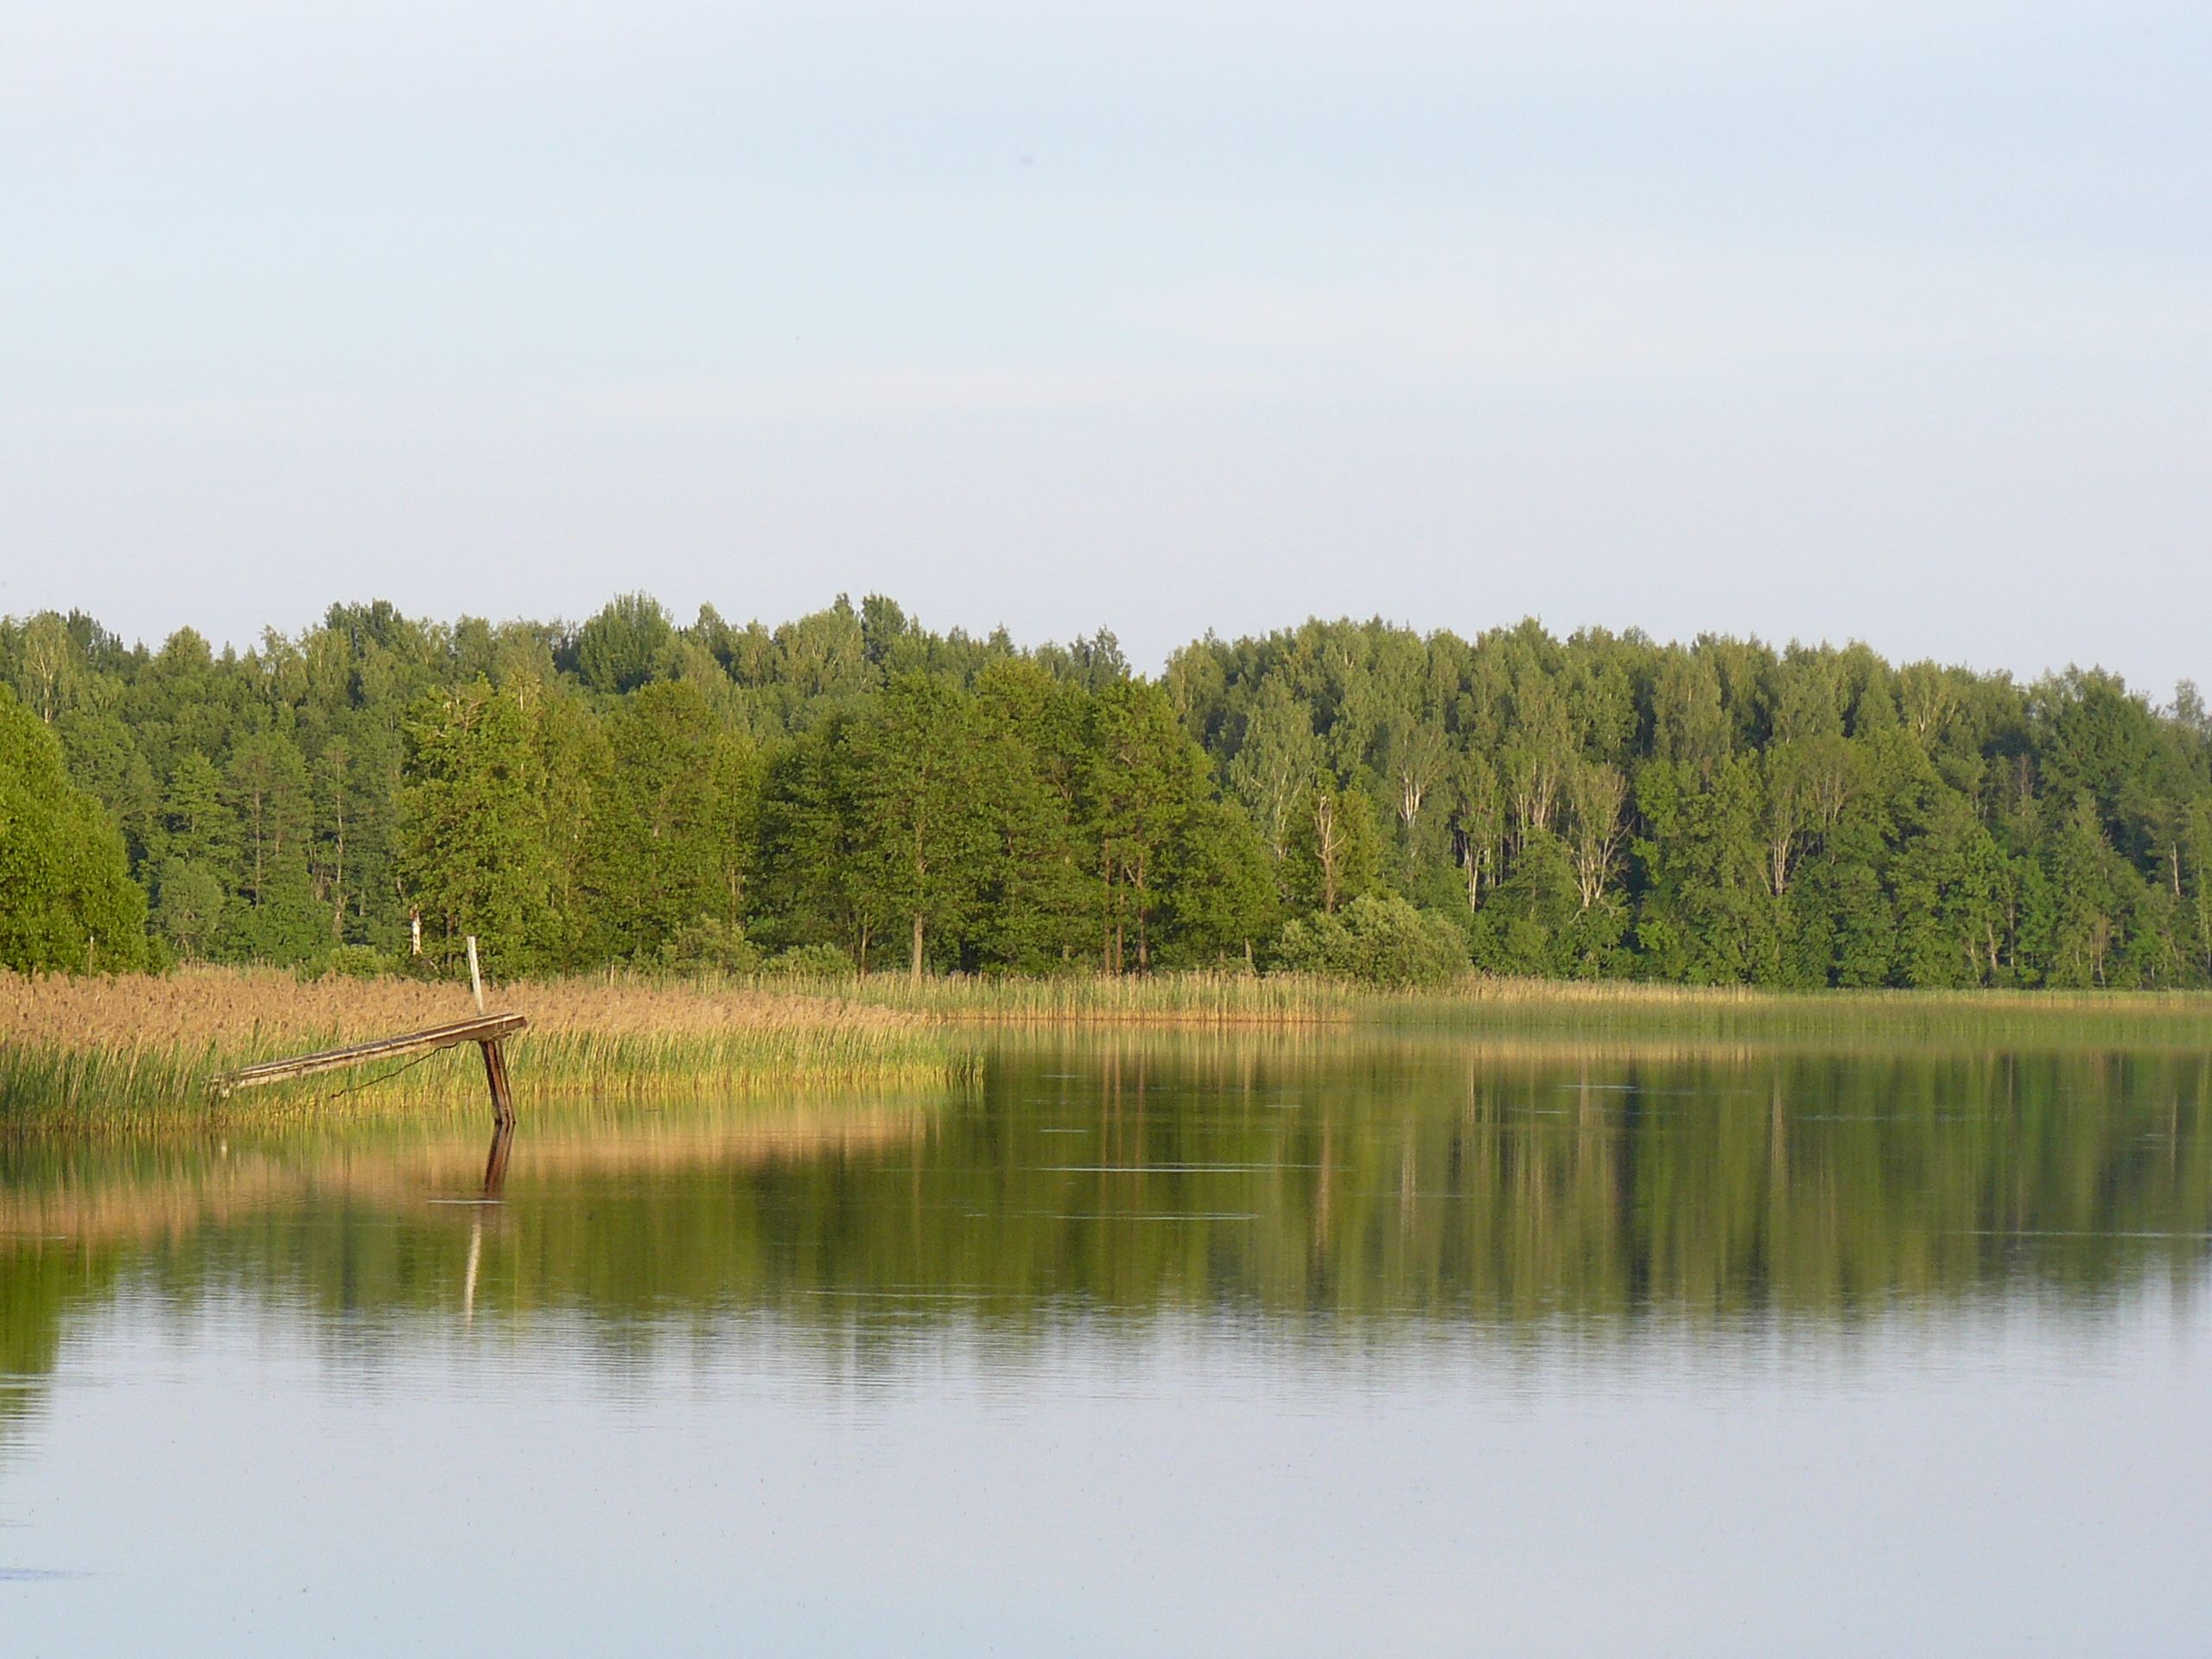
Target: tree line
853, 792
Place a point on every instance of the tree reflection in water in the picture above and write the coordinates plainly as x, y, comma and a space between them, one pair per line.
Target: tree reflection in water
1330, 1181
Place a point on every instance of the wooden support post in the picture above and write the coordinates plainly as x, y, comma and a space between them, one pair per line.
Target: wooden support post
495, 1074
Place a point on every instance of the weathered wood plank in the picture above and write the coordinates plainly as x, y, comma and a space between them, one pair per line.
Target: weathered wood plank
489, 1029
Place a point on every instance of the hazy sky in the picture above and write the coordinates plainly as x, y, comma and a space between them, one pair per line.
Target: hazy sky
1876, 320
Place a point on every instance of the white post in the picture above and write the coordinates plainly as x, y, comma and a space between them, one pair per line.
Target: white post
475, 978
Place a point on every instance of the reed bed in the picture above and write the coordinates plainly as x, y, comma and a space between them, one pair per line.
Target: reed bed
1614, 1011
1482, 1005
1490, 988
85, 1051
1186, 999
118, 1050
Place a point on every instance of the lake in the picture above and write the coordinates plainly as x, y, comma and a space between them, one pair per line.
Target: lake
1305, 1344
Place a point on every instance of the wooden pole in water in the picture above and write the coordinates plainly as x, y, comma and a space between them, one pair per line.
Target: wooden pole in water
495, 1055
495, 1075
495, 1059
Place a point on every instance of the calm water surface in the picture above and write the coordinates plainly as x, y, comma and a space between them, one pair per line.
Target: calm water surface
1161, 1346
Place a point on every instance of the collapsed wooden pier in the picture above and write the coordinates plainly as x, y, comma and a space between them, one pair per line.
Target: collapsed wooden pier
488, 1032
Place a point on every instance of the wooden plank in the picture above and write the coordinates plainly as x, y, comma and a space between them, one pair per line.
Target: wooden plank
488, 1029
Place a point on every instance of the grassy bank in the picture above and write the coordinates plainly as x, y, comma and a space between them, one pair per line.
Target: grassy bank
112, 1051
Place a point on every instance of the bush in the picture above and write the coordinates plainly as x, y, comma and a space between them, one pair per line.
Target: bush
711, 946
812, 962
356, 962
1378, 939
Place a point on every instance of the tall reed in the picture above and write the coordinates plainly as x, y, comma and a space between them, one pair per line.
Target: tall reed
115, 1050
1191, 999
1482, 1003
1735, 1013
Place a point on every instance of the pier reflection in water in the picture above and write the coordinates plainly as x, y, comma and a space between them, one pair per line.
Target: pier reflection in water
1369, 1321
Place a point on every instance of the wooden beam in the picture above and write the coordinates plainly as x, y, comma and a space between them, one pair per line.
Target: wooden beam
488, 1030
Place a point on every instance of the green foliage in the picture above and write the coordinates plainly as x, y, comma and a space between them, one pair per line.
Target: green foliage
877, 828
357, 961
811, 961
1376, 939
1146, 780
1595, 807
188, 906
274, 916
626, 645
1222, 900
1037, 885
672, 836
711, 945
1333, 854
1023, 826
920, 819
67, 899
495, 808
196, 821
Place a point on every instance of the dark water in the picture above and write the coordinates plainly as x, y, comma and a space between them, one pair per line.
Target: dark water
1166, 1346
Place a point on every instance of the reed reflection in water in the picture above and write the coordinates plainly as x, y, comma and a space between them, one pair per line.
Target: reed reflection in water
1161, 1343
1330, 1179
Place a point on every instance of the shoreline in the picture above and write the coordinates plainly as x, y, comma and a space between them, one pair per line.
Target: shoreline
89, 1051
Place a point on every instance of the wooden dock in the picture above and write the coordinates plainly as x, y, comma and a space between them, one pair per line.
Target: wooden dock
488, 1032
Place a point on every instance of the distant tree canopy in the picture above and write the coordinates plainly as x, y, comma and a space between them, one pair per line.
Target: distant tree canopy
852, 787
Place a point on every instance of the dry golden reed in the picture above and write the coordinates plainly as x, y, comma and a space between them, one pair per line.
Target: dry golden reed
1293, 1000
86, 1049
237, 1008
1616, 1011
92, 1048
1483, 988
1181, 999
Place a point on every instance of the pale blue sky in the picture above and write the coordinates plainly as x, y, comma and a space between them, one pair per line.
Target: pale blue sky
1878, 320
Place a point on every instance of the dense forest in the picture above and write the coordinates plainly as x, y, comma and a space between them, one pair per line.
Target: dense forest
853, 792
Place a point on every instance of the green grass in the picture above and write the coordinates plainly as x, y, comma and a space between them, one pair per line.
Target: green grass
43, 1084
